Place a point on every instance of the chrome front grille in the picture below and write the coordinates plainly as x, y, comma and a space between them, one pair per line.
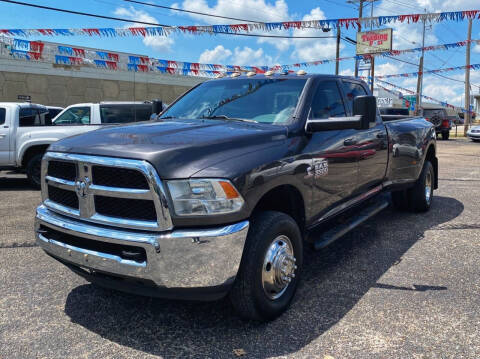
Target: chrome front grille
110, 191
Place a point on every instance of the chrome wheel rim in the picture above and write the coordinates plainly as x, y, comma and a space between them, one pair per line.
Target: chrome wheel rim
428, 187
278, 267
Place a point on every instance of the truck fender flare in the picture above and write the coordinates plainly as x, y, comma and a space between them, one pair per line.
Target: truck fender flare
28, 145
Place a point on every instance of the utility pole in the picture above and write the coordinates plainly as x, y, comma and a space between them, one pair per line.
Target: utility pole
372, 64
360, 15
467, 79
337, 63
420, 73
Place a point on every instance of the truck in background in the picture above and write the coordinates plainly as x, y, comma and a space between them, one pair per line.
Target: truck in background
26, 129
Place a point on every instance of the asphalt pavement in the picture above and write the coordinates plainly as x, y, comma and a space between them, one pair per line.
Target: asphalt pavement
400, 286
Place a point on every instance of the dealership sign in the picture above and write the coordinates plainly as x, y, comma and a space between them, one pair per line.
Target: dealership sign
384, 101
375, 41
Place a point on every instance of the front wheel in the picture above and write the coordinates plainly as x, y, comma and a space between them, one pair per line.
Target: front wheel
270, 269
33, 170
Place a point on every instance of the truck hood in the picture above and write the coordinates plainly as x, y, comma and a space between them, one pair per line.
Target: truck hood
177, 149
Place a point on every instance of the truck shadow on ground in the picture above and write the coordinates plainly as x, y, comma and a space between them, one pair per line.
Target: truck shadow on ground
16, 182
334, 280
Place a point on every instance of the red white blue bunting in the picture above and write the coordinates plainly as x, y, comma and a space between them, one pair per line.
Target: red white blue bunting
415, 74
376, 21
448, 46
68, 55
443, 103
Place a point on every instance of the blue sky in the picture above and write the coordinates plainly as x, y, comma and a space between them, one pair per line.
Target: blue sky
254, 51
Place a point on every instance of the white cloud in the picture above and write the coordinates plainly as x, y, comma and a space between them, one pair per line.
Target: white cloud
446, 5
406, 35
239, 56
347, 72
388, 68
314, 49
255, 10
158, 43
248, 56
217, 55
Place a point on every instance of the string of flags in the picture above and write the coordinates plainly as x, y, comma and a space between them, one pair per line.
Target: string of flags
68, 55
382, 54
376, 21
415, 74
443, 103
398, 94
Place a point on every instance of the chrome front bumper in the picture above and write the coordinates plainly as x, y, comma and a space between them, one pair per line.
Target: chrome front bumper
180, 259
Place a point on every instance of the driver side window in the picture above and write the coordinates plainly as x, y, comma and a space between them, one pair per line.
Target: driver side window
327, 101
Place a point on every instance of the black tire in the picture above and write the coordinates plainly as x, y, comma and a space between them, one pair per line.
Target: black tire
33, 170
248, 296
417, 195
445, 136
400, 200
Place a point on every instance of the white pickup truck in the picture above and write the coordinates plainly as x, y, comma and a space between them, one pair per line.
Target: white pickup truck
26, 130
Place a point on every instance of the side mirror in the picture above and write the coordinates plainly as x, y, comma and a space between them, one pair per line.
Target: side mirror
157, 106
366, 107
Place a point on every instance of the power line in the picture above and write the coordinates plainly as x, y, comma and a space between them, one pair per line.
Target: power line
79, 13
155, 24
187, 11
353, 42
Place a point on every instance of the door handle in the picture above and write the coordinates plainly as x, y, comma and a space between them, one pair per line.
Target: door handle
350, 142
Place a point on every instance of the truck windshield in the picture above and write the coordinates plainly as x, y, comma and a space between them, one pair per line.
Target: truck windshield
271, 101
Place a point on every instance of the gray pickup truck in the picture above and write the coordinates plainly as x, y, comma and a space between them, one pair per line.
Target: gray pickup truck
218, 196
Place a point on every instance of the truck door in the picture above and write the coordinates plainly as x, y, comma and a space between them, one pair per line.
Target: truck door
5, 138
371, 145
334, 168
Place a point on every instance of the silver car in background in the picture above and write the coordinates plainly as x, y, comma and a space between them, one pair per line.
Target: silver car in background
474, 133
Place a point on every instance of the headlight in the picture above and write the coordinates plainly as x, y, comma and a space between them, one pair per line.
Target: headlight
204, 196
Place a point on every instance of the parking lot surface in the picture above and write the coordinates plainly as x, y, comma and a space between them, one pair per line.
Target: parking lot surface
400, 286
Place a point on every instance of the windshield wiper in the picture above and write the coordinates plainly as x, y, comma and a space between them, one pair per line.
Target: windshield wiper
223, 117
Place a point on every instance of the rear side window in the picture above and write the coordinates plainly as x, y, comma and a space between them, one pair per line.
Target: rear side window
74, 116
2, 115
52, 112
327, 101
29, 117
353, 90
124, 113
